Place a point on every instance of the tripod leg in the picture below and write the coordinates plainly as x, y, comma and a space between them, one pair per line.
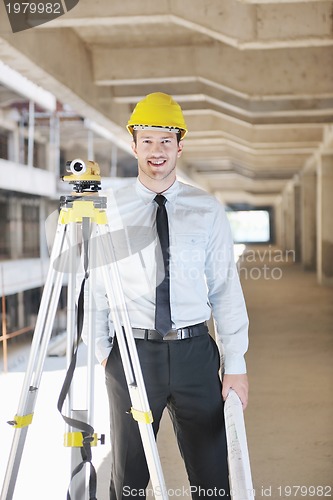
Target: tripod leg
91, 327
71, 298
130, 360
79, 483
37, 357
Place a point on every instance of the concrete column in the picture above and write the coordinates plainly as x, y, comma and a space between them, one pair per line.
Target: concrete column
90, 146
289, 217
54, 146
297, 222
308, 220
114, 160
31, 133
325, 220
15, 221
43, 249
283, 215
278, 224
15, 154
20, 310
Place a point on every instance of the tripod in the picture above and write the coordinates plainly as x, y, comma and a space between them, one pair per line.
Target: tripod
86, 211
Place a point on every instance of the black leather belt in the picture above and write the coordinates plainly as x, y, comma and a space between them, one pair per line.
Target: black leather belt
180, 334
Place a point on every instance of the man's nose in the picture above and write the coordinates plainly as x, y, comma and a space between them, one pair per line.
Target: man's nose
156, 149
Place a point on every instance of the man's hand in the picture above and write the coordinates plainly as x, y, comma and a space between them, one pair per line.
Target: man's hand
239, 383
104, 362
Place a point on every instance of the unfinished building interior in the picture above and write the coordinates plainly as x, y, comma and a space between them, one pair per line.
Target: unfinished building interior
255, 81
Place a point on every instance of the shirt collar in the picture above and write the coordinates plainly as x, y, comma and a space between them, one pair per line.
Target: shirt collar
148, 196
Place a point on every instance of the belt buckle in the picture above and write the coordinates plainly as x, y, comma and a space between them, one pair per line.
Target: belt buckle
183, 333
171, 335
180, 334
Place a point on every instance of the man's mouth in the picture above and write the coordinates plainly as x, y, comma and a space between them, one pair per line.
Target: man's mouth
156, 163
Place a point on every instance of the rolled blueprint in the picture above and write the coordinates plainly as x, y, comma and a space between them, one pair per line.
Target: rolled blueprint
238, 455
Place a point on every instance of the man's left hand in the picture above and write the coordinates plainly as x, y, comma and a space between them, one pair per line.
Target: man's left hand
239, 383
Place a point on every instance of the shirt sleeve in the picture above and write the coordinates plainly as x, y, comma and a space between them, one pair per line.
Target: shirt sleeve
103, 331
102, 324
225, 295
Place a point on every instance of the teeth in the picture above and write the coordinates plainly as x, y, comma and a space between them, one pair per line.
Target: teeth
157, 162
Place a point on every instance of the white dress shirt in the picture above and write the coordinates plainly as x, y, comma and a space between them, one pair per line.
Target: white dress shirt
203, 275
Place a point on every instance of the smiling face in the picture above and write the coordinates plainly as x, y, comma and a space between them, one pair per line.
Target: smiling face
157, 153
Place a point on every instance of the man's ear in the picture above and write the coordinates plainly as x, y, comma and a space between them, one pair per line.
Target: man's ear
134, 149
180, 148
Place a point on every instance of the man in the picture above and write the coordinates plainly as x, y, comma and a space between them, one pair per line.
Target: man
180, 361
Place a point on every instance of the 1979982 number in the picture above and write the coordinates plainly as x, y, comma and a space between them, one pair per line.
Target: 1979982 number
34, 8
305, 491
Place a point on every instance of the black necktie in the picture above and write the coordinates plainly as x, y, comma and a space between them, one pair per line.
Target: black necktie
162, 311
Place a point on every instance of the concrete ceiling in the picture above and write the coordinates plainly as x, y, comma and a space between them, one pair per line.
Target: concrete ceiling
254, 78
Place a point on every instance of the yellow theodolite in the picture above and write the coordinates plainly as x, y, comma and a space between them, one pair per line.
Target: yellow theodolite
85, 176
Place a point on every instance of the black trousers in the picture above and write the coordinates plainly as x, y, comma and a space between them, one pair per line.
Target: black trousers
183, 376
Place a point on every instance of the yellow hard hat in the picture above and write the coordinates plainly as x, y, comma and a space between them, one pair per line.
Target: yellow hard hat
157, 111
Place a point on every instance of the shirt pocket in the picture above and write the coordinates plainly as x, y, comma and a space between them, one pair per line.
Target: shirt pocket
188, 255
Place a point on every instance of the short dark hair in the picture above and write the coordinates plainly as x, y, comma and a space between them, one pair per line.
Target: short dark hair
178, 135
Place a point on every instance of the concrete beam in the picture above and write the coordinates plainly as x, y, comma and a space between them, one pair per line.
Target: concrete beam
199, 121
20, 85
247, 108
213, 144
281, 71
196, 89
31, 180
257, 200
241, 25
255, 162
259, 2
230, 181
271, 26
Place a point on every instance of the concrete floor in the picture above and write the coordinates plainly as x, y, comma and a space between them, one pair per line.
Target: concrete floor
290, 414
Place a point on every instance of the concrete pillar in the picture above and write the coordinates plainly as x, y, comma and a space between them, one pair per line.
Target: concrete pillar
20, 310
15, 150
15, 223
114, 160
283, 215
297, 222
90, 146
43, 249
54, 146
325, 219
308, 220
289, 217
278, 224
31, 133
